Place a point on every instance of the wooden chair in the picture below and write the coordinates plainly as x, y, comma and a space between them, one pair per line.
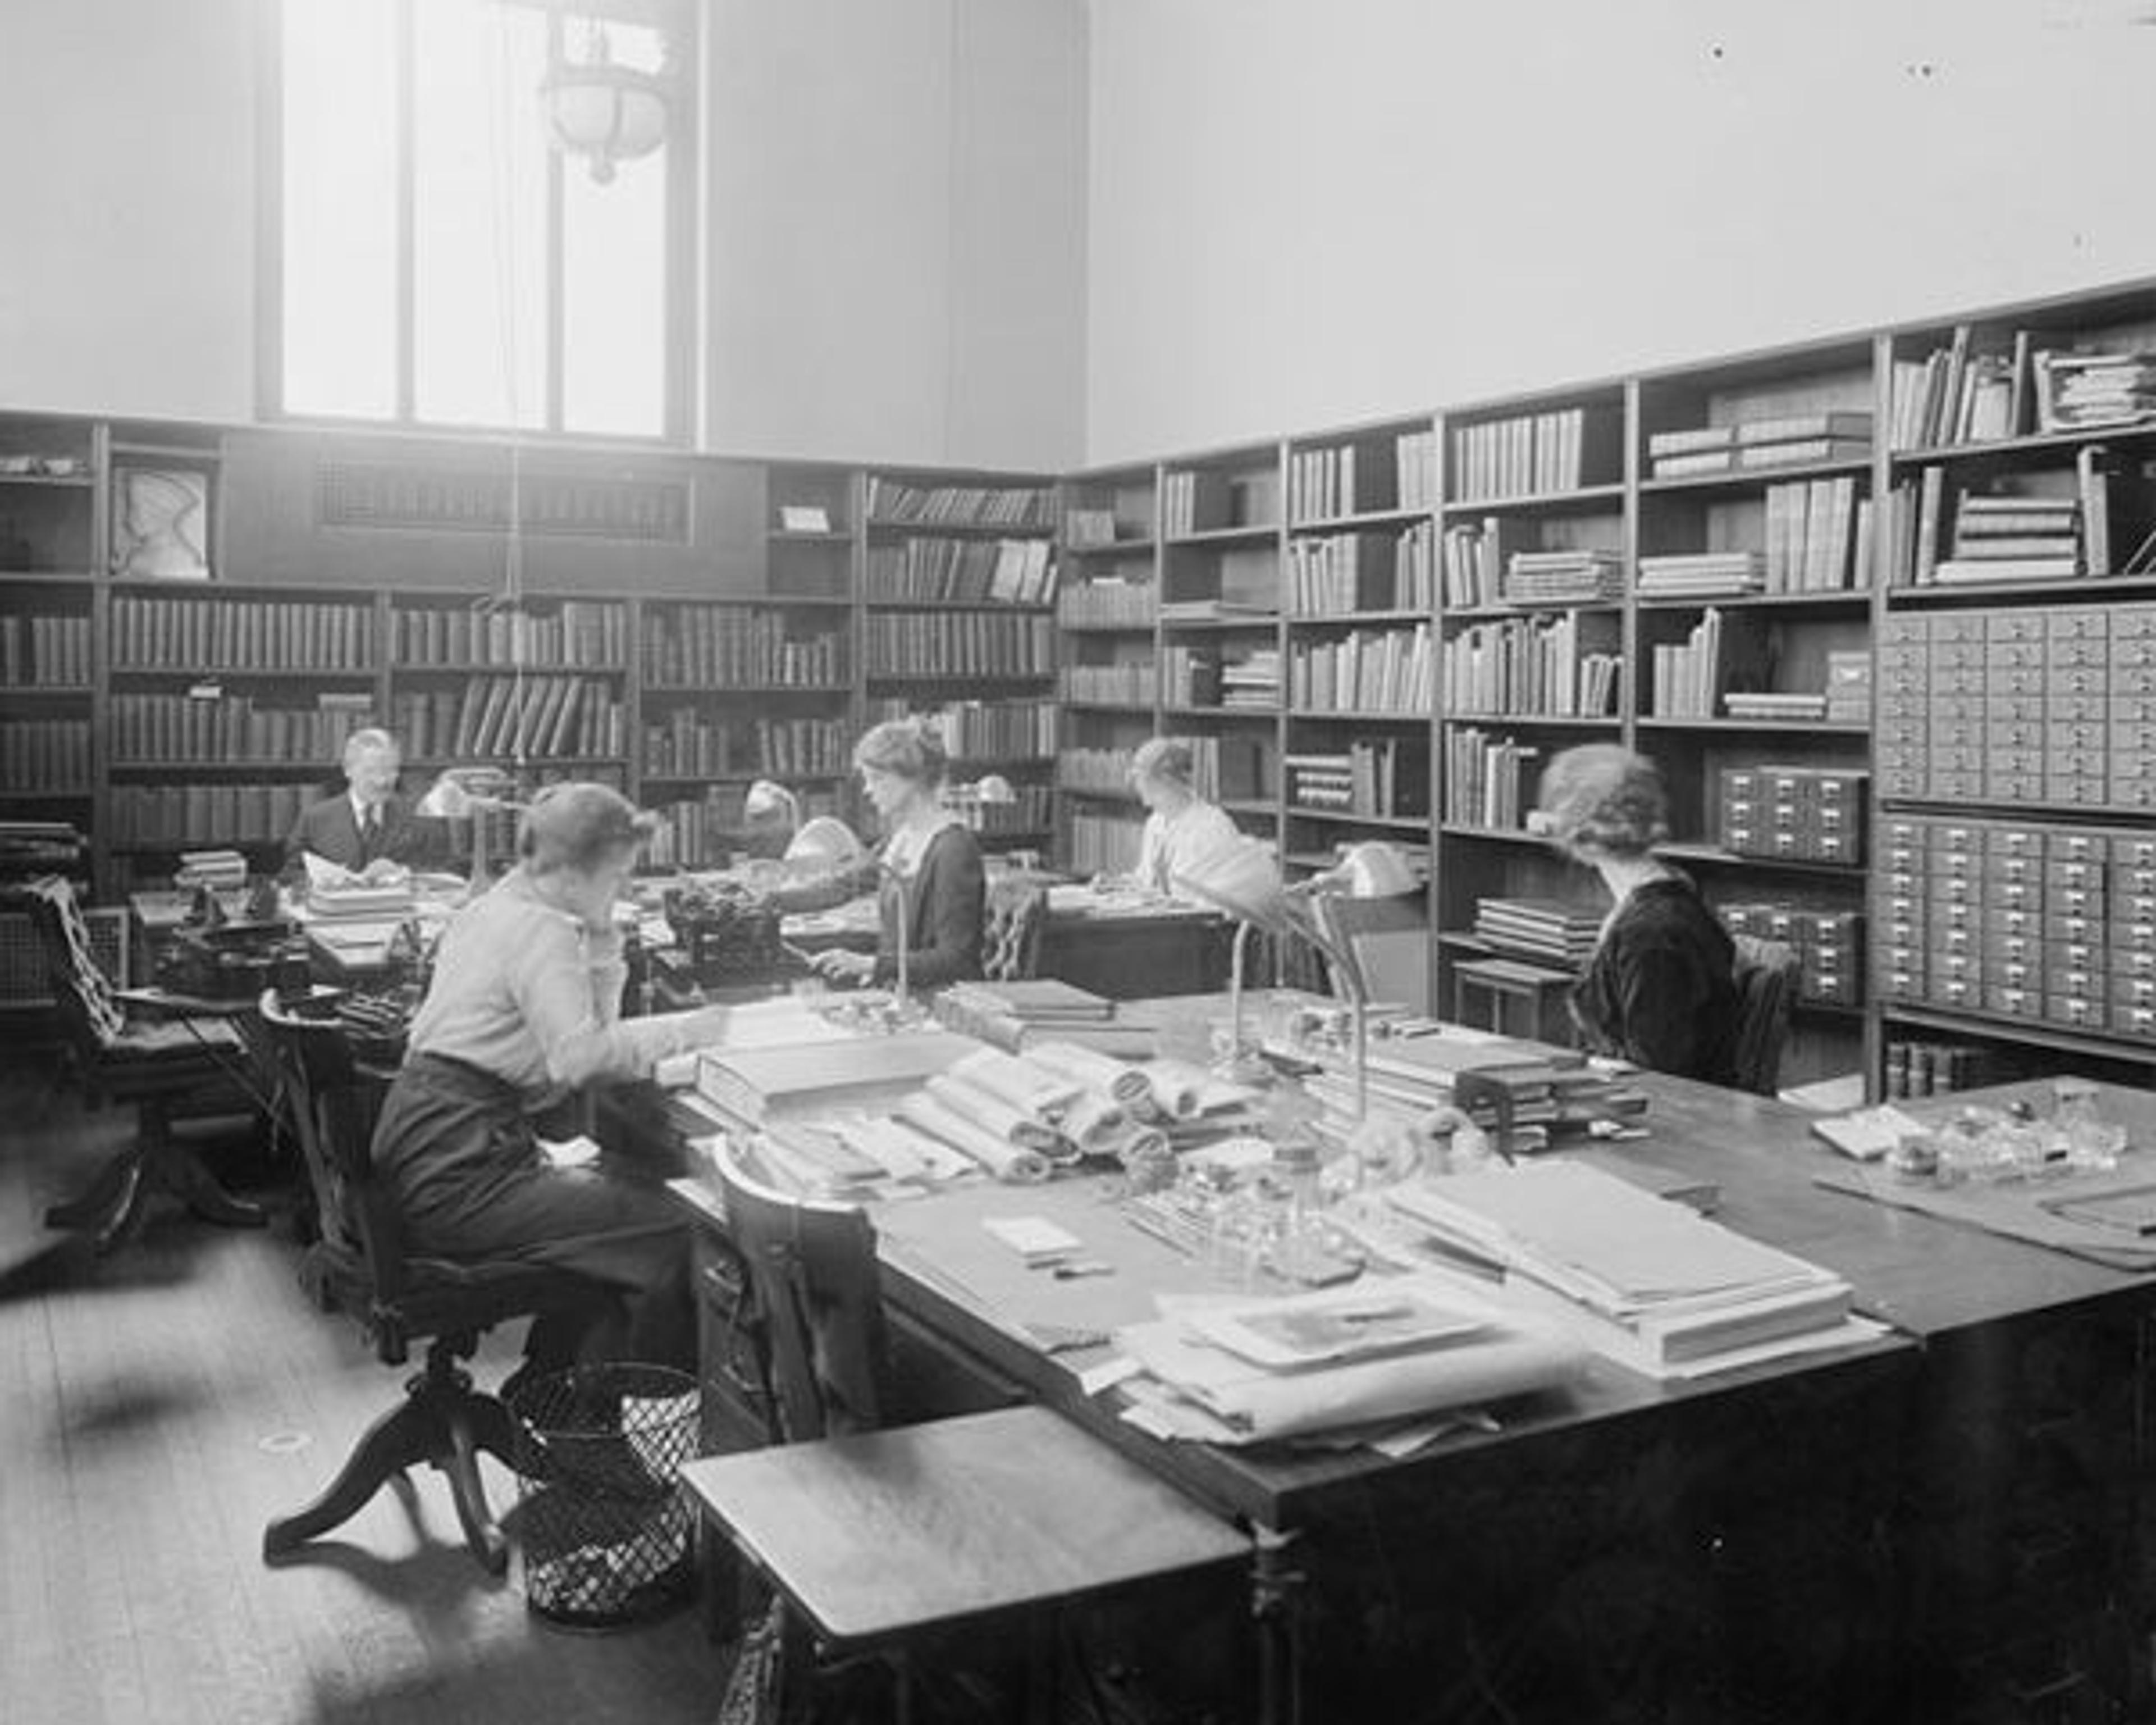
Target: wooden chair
1011, 936
1765, 972
167, 1068
872, 1539
360, 1265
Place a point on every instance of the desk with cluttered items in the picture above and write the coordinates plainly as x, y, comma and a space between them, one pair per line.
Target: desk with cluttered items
1450, 1348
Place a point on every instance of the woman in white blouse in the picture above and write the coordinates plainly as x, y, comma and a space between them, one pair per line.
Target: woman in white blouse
524, 1009
1184, 833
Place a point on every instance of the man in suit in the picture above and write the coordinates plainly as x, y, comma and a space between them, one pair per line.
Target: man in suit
370, 828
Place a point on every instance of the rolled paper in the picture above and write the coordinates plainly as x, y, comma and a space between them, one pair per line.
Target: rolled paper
1140, 1143
900, 1152
1094, 1124
1176, 1087
1018, 1081
1005, 1160
1096, 1070
991, 1112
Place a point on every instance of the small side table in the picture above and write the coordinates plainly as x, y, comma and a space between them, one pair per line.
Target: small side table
1491, 993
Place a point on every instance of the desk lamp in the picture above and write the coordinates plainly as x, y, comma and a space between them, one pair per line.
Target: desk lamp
471, 794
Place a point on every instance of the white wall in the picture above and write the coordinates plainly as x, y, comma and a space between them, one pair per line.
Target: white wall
127, 206
1307, 211
895, 241
897, 217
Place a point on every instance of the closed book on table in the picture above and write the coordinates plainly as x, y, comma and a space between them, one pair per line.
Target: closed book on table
760, 1084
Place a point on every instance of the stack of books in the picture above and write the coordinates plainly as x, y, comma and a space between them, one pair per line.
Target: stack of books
222, 870
1843, 434
1538, 929
2075, 390
1699, 573
1253, 681
2013, 539
1771, 703
1647, 1283
1007, 1009
1564, 577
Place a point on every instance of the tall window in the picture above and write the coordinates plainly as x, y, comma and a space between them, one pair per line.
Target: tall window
439, 263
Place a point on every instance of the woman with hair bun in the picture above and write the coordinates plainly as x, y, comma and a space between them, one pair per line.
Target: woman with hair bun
1183, 831
1659, 989
931, 872
524, 1009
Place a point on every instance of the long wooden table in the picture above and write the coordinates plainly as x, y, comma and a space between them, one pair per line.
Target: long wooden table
1912, 1528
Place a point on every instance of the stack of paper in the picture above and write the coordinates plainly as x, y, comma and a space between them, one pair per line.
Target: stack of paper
1651, 1283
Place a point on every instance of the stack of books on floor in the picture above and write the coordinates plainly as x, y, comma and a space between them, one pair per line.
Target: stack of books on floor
2013, 539
1705, 573
1564, 577
1538, 929
1645, 1281
1767, 704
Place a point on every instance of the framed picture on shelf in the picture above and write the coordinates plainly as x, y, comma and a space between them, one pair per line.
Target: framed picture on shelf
161, 523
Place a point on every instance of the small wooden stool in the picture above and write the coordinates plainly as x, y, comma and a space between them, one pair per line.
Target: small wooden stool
1497, 986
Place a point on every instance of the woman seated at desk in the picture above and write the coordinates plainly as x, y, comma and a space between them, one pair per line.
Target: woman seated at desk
1183, 831
525, 1008
1658, 989
930, 867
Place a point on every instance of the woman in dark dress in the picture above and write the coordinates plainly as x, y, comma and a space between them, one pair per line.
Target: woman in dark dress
930, 870
1658, 990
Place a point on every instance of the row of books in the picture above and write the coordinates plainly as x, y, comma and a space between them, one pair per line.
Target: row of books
1017, 572
1818, 536
1196, 676
1201, 500
549, 713
1778, 440
685, 744
1357, 572
1325, 484
1377, 780
45, 754
1529, 454
1489, 778
1551, 929
178, 728
1108, 603
701, 833
1135, 683
717, 647
983, 730
1031, 809
1087, 528
252, 634
1101, 844
41, 847
577, 632
201, 814
1563, 666
960, 643
1392, 670
52, 651
2101, 520
1690, 676
1962, 394
1414, 465
1926, 1069
890, 500
1103, 771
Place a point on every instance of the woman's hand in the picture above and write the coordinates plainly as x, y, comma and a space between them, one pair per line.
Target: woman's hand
847, 969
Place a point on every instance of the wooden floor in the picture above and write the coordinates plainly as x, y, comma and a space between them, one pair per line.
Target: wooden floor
156, 1409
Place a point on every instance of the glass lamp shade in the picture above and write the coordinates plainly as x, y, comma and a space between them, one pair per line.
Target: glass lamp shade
603, 112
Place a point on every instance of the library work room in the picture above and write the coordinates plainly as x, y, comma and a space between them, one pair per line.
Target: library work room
1104, 862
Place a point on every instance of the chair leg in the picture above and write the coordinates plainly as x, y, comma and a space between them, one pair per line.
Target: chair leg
112, 1207
115, 1191
186, 1175
443, 1422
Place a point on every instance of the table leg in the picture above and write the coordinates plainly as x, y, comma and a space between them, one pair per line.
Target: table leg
1276, 1605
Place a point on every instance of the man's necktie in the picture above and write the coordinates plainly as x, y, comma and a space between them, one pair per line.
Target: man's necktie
370, 833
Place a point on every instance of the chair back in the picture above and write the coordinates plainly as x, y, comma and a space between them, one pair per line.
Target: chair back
88, 1012
812, 1267
362, 1239
1765, 973
1389, 938
1017, 918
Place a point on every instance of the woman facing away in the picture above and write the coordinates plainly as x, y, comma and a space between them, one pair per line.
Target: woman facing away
1659, 989
1183, 831
930, 870
525, 1009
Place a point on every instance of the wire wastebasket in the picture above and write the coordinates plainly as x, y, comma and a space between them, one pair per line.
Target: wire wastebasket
605, 1527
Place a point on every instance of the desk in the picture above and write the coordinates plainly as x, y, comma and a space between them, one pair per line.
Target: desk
1916, 1528
1118, 945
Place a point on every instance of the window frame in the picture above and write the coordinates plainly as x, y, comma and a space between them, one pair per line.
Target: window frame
680, 20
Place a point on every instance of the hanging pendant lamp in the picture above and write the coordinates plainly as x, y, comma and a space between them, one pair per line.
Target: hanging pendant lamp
600, 110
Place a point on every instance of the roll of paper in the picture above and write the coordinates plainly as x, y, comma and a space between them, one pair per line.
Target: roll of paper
1095, 1124
1126, 1083
1177, 1086
991, 1112
1018, 1081
1005, 1160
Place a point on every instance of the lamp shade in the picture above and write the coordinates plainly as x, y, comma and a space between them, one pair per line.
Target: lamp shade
1371, 870
603, 112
